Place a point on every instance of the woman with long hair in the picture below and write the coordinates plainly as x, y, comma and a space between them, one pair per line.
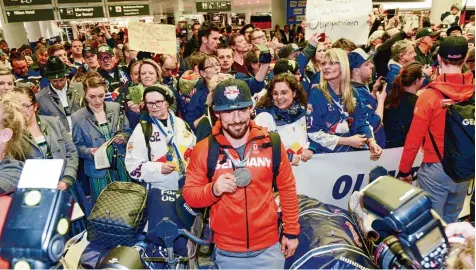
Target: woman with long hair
336, 121
12, 148
100, 122
401, 102
47, 138
313, 69
283, 110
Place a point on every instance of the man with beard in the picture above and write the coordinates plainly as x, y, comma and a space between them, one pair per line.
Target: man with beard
243, 213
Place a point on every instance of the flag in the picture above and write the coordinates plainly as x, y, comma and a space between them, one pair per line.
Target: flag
463, 14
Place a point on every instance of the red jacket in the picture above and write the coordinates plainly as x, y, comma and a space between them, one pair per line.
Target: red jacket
429, 114
246, 220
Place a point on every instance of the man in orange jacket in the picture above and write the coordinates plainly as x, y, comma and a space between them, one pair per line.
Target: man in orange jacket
447, 197
244, 216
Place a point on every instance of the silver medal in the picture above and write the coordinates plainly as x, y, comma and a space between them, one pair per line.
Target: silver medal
243, 177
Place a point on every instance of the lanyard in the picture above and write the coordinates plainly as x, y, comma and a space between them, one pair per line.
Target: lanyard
238, 163
344, 114
170, 138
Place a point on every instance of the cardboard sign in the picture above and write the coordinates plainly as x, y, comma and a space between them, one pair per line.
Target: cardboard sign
153, 38
339, 19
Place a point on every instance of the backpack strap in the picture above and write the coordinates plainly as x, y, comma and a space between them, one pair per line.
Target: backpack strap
213, 151
147, 130
433, 142
276, 148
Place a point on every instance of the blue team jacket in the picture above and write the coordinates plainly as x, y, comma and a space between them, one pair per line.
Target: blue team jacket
196, 107
254, 85
365, 97
324, 116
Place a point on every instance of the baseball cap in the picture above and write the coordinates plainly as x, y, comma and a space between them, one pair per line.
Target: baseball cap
453, 48
453, 28
425, 32
285, 66
105, 49
287, 50
357, 57
232, 94
91, 50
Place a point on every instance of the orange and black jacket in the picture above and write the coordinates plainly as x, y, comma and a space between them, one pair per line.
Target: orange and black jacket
246, 220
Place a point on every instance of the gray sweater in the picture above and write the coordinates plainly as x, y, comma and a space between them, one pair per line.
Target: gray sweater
10, 171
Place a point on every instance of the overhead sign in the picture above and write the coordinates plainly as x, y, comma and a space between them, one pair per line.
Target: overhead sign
78, 13
9, 3
129, 10
153, 38
78, 1
296, 11
339, 19
213, 6
30, 15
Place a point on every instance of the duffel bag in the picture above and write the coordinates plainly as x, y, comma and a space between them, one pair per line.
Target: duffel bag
119, 215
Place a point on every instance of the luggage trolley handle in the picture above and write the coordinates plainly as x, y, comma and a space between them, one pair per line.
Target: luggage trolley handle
168, 231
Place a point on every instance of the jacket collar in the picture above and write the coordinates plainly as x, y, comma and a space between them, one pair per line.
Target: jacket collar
44, 130
109, 116
393, 62
256, 133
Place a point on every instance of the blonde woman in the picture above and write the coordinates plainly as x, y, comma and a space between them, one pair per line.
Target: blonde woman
12, 149
336, 122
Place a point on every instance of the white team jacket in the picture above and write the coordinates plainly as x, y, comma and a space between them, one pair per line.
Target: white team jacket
138, 164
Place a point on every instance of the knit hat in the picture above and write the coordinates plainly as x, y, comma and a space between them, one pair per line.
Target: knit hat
453, 48
453, 28
357, 57
164, 90
287, 50
425, 32
232, 94
375, 35
285, 66
55, 68
105, 49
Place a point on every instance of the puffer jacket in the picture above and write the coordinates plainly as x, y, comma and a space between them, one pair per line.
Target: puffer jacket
246, 220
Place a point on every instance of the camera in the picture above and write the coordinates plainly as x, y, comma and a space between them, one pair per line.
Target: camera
413, 237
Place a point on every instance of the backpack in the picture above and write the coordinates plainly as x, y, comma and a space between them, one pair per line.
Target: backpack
214, 150
458, 157
119, 215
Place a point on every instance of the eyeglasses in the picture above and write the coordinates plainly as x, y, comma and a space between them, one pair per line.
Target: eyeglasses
157, 103
2, 84
260, 37
105, 58
331, 63
210, 66
27, 106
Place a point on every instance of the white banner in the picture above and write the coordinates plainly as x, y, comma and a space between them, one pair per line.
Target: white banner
153, 38
332, 178
339, 19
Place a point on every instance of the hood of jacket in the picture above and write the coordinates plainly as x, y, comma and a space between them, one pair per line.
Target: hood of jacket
458, 87
393, 64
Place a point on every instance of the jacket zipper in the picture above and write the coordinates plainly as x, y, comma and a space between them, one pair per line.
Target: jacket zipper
246, 218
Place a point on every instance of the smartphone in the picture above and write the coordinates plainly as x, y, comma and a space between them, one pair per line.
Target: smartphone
383, 82
322, 37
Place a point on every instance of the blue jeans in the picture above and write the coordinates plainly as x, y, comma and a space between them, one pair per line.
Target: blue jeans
270, 258
447, 197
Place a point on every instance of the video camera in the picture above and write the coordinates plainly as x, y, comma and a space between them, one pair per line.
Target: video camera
412, 236
37, 225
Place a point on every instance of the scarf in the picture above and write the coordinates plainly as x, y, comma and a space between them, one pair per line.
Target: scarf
289, 115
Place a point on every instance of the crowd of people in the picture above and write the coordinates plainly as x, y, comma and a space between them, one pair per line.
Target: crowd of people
161, 114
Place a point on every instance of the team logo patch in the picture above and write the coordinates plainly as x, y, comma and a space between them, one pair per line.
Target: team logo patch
309, 108
232, 92
130, 147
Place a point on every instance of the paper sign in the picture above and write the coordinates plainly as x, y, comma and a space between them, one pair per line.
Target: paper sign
101, 161
153, 38
41, 173
339, 19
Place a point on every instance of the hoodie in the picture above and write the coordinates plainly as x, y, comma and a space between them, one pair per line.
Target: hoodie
393, 70
429, 115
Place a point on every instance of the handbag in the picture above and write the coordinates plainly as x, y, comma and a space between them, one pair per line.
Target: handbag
119, 215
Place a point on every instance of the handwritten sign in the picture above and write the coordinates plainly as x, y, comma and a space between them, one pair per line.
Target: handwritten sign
339, 19
153, 38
